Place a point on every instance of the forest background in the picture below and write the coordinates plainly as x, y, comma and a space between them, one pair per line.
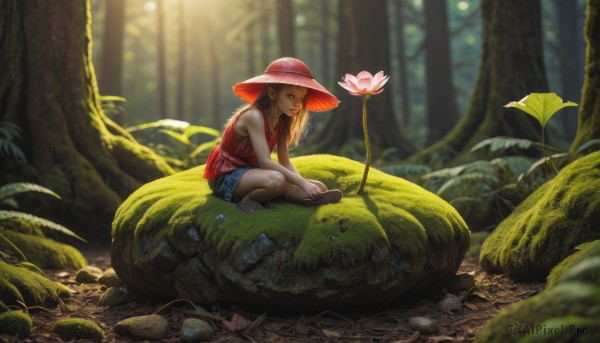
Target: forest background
179, 59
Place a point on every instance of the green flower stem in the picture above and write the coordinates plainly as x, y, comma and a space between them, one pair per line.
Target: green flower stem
367, 143
546, 153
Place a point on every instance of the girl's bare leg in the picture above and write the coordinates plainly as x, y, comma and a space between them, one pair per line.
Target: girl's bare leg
260, 185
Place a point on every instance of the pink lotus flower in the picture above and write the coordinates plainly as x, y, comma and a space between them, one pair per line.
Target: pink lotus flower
364, 83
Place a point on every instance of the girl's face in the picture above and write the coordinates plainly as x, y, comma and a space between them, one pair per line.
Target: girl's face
289, 99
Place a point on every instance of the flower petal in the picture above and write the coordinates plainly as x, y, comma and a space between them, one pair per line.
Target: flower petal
381, 83
348, 86
364, 74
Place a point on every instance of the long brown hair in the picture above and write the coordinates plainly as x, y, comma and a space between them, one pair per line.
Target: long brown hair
295, 127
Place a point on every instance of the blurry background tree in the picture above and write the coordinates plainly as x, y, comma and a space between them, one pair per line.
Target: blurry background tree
48, 88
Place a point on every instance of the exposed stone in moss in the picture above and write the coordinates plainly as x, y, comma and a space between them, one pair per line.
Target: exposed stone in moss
78, 328
395, 225
584, 251
47, 253
15, 323
545, 228
558, 304
34, 289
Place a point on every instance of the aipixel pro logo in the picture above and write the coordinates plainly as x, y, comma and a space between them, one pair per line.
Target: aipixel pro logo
519, 329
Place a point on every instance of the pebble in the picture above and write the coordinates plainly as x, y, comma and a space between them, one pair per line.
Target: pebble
88, 274
113, 297
196, 330
151, 327
449, 303
110, 279
424, 325
461, 282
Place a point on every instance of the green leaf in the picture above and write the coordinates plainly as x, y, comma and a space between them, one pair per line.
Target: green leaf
164, 123
541, 106
587, 145
183, 139
39, 221
112, 98
22, 187
503, 143
205, 146
195, 129
13, 247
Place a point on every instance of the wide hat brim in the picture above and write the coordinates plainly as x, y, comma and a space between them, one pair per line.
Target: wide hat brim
318, 99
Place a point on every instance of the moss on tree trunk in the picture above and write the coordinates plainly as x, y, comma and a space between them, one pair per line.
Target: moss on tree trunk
512, 66
49, 89
589, 112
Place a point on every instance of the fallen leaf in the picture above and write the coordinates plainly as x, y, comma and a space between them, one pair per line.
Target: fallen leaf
236, 323
331, 333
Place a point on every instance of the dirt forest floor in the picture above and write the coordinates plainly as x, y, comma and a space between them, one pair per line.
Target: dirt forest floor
240, 323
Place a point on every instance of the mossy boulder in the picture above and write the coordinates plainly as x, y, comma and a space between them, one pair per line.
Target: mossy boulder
29, 287
47, 253
556, 308
548, 225
15, 323
583, 265
78, 328
173, 238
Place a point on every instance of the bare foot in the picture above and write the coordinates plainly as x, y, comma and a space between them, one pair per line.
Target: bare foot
250, 206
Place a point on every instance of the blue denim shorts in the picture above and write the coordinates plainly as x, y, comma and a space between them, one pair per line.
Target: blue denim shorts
224, 185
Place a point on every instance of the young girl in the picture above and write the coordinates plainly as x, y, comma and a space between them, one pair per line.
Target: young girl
240, 168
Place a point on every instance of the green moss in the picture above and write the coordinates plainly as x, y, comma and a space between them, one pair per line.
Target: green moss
545, 228
584, 251
558, 303
47, 253
34, 289
391, 214
15, 323
9, 294
78, 328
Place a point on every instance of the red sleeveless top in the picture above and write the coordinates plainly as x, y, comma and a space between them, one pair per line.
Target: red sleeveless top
236, 151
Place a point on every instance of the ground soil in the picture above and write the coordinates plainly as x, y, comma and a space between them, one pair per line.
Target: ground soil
241, 323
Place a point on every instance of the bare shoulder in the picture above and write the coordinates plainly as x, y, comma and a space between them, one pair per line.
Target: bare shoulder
250, 118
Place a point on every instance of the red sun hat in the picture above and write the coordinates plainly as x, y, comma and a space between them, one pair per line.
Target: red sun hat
290, 71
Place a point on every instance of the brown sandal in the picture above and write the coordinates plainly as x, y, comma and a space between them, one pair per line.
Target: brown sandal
332, 196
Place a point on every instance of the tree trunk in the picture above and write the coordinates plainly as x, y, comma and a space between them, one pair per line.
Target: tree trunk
570, 69
250, 45
589, 110
442, 111
285, 28
512, 66
180, 107
265, 41
112, 48
160, 51
49, 89
402, 64
325, 37
363, 45
214, 72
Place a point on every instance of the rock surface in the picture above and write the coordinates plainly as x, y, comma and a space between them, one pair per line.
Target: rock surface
546, 227
151, 327
173, 238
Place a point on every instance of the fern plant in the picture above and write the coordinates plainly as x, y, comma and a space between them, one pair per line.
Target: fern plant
7, 191
8, 149
181, 132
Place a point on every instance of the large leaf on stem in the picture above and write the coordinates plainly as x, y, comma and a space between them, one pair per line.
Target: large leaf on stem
541, 106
